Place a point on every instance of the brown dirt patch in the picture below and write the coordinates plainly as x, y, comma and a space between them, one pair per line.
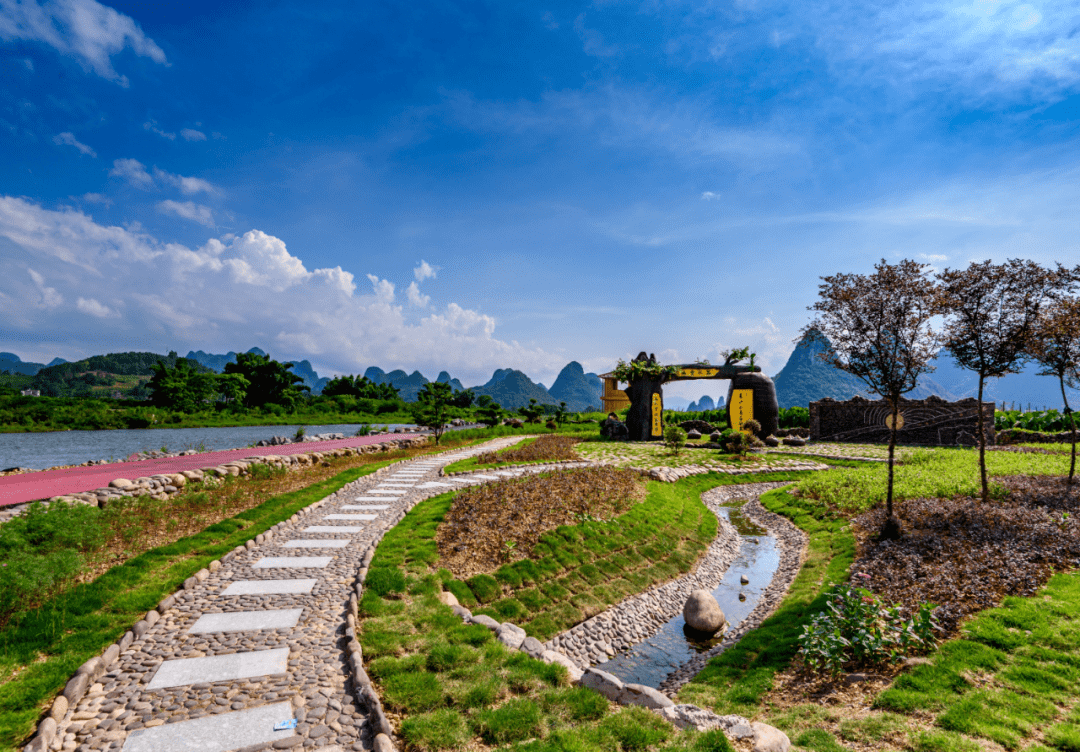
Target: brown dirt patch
546, 448
472, 537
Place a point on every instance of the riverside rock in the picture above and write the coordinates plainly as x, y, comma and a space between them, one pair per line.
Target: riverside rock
703, 613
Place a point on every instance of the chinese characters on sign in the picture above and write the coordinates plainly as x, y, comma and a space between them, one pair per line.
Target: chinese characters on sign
657, 424
741, 408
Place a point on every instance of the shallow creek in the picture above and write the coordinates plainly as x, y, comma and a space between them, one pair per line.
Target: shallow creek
649, 662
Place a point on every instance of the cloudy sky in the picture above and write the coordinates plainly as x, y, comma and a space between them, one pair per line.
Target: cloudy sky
468, 186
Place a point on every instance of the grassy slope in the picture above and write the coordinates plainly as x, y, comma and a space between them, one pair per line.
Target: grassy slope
40, 652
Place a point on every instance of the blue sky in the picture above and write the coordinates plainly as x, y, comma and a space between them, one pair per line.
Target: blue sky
468, 186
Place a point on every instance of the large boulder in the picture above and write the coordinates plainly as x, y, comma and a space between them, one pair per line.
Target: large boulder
703, 613
700, 426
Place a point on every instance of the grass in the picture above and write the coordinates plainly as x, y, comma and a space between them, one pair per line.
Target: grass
654, 454
472, 463
939, 472
40, 649
737, 680
456, 687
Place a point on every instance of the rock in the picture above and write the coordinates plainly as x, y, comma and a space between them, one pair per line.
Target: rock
914, 661
714, 436
448, 599
463, 612
794, 441
487, 621
744, 580
552, 656
769, 738
510, 635
703, 613
121, 483
691, 716
646, 697
771, 441
603, 682
59, 709
533, 647
383, 744
693, 434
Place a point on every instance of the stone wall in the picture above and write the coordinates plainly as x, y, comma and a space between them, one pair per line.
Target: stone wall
932, 421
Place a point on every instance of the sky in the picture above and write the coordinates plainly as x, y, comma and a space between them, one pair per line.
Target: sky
467, 186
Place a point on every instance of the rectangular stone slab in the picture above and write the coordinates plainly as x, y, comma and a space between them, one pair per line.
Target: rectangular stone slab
484, 477
269, 587
370, 498
435, 484
215, 668
387, 491
247, 621
292, 562
350, 516
333, 529
215, 733
374, 507
331, 543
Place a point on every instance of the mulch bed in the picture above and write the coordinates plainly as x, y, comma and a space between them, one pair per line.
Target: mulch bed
472, 537
967, 556
547, 448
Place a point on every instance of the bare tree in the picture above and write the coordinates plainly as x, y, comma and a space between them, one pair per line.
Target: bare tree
1055, 345
877, 328
991, 310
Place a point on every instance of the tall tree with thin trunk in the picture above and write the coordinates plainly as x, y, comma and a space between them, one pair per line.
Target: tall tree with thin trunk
991, 311
877, 327
1055, 345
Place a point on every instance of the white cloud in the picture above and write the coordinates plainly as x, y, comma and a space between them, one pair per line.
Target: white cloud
414, 296
384, 288
68, 139
91, 307
592, 40
187, 186
188, 210
134, 172
86, 30
424, 271
709, 195
152, 126
97, 198
50, 298
190, 134
231, 292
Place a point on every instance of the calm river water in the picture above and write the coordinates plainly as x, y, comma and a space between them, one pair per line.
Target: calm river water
41, 450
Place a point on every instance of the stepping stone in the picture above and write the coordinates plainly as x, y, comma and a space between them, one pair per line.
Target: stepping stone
214, 668
215, 733
370, 498
350, 517
335, 543
245, 621
388, 492
292, 562
486, 477
269, 587
388, 484
333, 529
435, 484
374, 507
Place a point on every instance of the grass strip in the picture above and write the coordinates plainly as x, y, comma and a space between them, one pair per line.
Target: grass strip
42, 649
737, 680
453, 686
471, 463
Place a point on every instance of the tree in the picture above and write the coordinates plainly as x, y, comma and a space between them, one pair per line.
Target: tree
532, 411
270, 382
359, 386
434, 409
991, 310
561, 413
674, 439
233, 388
181, 387
463, 399
488, 411
877, 328
1055, 345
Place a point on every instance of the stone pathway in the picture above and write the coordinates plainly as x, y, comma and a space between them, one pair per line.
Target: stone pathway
253, 655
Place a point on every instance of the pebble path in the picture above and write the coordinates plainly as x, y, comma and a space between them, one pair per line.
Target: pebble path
258, 643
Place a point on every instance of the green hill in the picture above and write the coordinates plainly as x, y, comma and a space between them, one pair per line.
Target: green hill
513, 389
579, 390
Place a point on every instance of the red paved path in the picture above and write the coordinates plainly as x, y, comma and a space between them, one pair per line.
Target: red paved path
15, 489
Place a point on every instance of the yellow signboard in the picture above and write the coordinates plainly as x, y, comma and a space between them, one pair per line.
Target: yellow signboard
741, 408
657, 423
698, 373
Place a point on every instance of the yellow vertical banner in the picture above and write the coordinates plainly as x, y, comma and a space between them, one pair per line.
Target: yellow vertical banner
657, 423
741, 408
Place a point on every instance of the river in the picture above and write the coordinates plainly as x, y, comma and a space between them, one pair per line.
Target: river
41, 450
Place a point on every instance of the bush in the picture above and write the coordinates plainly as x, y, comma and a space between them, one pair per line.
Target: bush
674, 439
856, 628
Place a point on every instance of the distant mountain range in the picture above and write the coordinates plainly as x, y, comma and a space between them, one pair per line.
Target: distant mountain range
703, 404
806, 378
14, 364
301, 368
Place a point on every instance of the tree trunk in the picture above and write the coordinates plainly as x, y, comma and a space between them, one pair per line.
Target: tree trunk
1072, 426
891, 529
639, 417
982, 444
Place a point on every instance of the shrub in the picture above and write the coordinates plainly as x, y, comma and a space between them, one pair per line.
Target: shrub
674, 439
856, 628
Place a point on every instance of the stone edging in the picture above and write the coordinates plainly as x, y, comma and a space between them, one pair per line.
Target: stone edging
673, 474
530, 466
792, 543
88, 672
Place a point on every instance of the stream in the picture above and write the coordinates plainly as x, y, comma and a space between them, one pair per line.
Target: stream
649, 662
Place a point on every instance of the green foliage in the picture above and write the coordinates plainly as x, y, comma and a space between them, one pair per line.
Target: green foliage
674, 439
269, 382
385, 580
647, 369
856, 628
360, 387
532, 411
434, 408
